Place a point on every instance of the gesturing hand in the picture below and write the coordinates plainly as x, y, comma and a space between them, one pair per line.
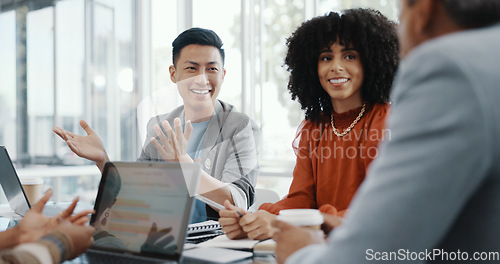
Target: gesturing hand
89, 147
35, 225
80, 218
173, 146
158, 241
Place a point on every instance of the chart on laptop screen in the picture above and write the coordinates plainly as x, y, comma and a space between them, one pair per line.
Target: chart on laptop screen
143, 210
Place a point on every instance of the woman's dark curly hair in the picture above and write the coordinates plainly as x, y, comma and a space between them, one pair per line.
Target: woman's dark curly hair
365, 30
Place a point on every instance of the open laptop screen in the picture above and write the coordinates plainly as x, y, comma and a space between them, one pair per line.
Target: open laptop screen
11, 185
144, 208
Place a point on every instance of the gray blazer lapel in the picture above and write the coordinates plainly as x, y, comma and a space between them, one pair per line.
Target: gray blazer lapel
213, 133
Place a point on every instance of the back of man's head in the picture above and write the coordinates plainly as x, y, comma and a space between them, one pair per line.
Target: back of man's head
470, 14
198, 36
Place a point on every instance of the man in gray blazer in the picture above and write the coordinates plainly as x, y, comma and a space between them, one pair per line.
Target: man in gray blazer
223, 140
433, 194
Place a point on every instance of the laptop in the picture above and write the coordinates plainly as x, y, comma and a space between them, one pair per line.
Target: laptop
142, 211
14, 191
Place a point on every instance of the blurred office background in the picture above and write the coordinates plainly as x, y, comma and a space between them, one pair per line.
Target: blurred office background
106, 61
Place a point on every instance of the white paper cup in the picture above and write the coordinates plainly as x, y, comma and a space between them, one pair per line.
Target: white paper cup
310, 218
32, 188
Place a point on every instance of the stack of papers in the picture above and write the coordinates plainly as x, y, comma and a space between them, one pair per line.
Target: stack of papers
204, 230
221, 249
218, 255
209, 225
265, 247
225, 242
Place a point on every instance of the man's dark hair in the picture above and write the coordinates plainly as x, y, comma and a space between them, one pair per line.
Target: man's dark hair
471, 13
366, 31
199, 36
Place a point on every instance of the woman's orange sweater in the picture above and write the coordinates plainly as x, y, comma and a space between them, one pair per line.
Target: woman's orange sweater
330, 169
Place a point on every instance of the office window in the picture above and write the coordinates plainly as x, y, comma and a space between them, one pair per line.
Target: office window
223, 17
112, 104
70, 96
76, 61
158, 93
163, 33
40, 75
386, 7
280, 115
106, 61
8, 101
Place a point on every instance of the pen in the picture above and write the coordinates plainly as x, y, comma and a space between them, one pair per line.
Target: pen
214, 204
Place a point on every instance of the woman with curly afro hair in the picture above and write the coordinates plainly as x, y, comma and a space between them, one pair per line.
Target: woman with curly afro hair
341, 71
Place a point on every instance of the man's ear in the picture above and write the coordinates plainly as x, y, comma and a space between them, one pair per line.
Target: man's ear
171, 69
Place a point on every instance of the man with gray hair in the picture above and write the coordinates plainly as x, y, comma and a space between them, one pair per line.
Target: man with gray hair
433, 193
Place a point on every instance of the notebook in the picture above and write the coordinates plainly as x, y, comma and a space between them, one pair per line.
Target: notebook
142, 212
198, 232
14, 191
219, 255
209, 225
263, 247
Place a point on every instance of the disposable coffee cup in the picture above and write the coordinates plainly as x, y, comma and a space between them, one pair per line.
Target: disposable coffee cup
310, 218
32, 188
